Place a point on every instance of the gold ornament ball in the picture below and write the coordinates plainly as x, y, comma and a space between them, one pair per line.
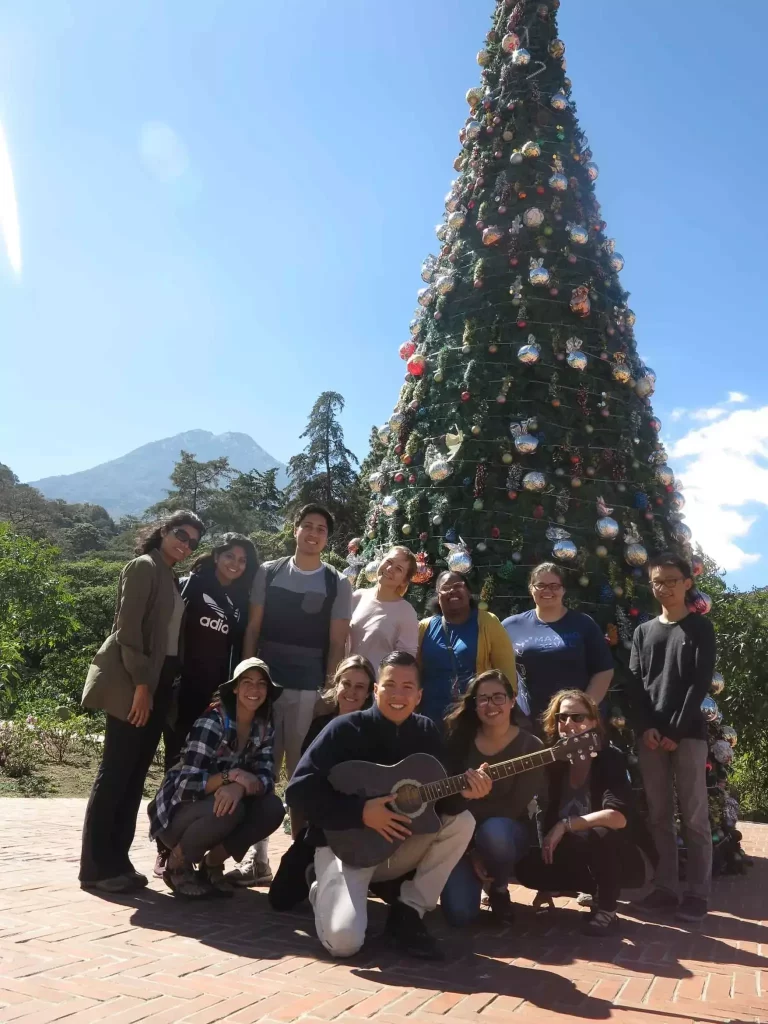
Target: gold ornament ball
506, 458
601, 551
483, 606
474, 96
618, 591
583, 581
478, 505
483, 58
476, 429
407, 529
437, 377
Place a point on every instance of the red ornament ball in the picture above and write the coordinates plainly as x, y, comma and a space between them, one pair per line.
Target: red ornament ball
512, 495
399, 477
423, 536
538, 512
540, 189
465, 396
416, 365
605, 413
575, 460
522, 324
555, 403
649, 516
659, 501
398, 449
522, 195
406, 460
514, 261
495, 532
554, 291
634, 612
412, 478
407, 349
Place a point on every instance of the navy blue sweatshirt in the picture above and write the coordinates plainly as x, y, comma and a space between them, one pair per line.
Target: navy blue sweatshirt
360, 736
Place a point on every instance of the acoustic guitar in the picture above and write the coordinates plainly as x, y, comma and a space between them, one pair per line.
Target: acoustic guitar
415, 783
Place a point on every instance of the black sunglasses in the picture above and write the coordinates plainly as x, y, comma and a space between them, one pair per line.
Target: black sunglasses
181, 534
563, 716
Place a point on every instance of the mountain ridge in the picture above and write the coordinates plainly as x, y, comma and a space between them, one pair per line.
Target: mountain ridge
132, 482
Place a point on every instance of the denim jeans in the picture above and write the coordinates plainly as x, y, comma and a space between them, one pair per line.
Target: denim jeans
500, 842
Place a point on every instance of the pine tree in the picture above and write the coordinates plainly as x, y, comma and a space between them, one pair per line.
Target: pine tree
524, 431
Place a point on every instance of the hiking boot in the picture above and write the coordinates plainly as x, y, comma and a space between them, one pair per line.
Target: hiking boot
118, 884
599, 923
250, 871
693, 909
161, 862
660, 901
410, 935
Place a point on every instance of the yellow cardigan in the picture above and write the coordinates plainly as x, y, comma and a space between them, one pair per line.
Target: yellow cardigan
494, 648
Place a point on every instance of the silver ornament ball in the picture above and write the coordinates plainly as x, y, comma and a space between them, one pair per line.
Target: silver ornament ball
526, 444
460, 560
607, 528
534, 481
577, 360
533, 217
565, 550
635, 554
717, 685
389, 505
529, 354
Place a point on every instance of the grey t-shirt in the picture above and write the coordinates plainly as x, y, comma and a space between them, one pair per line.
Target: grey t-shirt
293, 665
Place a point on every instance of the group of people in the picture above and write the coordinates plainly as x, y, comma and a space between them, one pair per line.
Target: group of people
324, 675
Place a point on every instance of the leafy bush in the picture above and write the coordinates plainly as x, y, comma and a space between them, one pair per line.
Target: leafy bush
62, 736
19, 752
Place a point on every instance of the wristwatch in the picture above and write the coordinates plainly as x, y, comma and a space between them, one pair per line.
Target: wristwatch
567, 823
225, 777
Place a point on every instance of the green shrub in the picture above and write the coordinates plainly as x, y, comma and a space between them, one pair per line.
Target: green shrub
19, 751
62, 735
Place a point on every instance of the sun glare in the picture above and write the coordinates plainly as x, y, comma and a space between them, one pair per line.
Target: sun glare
9, 213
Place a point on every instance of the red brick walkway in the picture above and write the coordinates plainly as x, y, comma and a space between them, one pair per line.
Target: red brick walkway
67, 955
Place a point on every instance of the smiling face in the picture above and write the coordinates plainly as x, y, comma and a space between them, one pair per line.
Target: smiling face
398, 692
251, 689
573, 716
311, 534
352, 690
547, 590
179, 542
393, 571
453, 595
493, 704
231, 564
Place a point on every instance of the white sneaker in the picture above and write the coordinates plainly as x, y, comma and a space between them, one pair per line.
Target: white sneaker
250, 871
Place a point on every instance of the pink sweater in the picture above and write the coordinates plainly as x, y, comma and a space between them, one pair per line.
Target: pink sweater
380, 627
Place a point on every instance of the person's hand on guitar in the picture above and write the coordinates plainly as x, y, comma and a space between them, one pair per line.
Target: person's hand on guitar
479, 781
378, 815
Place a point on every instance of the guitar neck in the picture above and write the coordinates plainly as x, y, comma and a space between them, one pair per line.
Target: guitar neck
516, 766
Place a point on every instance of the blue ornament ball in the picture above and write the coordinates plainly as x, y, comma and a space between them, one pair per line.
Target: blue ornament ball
606, 592
637, 573
450, 536
467, 481
641, 500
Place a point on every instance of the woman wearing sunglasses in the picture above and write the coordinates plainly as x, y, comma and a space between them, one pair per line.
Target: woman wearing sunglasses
131, 679
592, 841
480, 732
555, 646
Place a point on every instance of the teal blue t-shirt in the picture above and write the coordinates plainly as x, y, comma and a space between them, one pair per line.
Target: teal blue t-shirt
438, 670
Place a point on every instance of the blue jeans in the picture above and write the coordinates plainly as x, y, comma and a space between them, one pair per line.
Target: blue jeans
501, 842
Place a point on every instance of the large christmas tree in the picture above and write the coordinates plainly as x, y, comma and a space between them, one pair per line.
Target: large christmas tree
524, 430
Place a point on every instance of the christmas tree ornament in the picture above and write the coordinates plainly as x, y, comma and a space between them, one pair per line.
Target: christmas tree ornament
424, 571
439, 469
729, 734
558, 182
534, 481
456, 220
556, 48
575, 358
621, 373
376, 481
389, 505
722, 752
593, 171
616, 263
521, 57
700, 602
371, 571
580, 303
385, 433
601, 551
531, 150
510, 42
459, 558
677, 501
645, 386
416, 365
664, 475
681, 532
445, 284
406, 529
473, 130
565, 550
407, 349
428, 269
533, 217
484, 58
526, 444
492, 235
634, 552
474, 96
529, 353
577, 233
559, 101
697, 565
538, 273
717, 685
426, 296
607, 529
617, 719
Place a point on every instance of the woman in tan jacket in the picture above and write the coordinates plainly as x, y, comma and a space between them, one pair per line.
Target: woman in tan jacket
131, 679
458, 643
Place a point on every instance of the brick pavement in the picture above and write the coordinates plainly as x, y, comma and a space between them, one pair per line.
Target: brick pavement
68, 955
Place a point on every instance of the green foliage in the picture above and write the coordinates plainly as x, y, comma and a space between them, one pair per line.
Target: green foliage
194, 484
19, 753
252, 502
324, 472
60, 739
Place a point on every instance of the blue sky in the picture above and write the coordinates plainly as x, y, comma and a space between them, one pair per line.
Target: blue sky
224, 207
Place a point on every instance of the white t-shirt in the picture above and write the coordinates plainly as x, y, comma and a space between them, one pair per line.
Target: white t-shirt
379, 627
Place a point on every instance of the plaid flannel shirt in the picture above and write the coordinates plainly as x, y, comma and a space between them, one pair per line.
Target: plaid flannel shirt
210, 748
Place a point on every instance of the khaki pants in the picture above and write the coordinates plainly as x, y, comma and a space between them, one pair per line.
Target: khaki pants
340, 894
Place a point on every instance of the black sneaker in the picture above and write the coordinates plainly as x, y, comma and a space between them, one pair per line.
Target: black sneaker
599, 923
659, 901
502, 910
693, 909
410, 935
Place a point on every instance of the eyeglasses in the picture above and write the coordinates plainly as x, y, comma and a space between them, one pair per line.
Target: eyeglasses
564, 716
181, 535
541, 587
491, 698
666, 584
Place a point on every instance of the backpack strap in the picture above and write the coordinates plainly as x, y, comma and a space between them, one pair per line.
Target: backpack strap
273, 570
331, 590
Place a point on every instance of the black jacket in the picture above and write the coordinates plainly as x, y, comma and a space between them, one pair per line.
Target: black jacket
360, 736
610, 790
213, 627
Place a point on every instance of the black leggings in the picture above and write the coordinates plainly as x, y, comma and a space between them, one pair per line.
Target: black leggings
601, 862
191, 702
110, 817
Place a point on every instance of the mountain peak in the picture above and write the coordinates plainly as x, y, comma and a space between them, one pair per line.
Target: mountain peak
132, 482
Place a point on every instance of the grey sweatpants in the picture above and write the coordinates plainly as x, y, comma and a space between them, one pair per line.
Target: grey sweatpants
199, 830
683, 770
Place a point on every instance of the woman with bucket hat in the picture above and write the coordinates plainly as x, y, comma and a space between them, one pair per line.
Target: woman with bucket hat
219, 799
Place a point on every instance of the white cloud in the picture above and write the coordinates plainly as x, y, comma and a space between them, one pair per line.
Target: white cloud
707, 415
737, 396
722, 467
677, 414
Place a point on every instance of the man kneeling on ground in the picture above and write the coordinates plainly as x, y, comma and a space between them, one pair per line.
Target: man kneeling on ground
385, 733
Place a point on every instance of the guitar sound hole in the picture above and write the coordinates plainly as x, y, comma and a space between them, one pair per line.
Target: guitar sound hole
407, 799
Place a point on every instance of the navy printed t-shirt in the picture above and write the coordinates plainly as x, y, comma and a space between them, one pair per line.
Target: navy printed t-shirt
554, 656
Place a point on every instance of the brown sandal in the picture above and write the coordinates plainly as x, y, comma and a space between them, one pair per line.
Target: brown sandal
184, 882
